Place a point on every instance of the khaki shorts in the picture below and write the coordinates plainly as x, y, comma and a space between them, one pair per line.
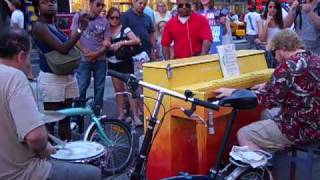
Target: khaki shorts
266, 135
56, 88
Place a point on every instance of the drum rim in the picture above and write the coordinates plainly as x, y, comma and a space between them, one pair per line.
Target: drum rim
89, 158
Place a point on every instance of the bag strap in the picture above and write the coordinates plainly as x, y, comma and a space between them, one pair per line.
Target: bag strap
122, 32
250, 22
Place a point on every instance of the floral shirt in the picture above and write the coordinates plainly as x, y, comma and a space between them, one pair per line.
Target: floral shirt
295, 88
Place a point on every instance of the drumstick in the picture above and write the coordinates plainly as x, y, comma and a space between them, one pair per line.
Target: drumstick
57, 140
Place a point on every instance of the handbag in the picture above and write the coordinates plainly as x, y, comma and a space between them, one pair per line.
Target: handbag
63, 64
126, 52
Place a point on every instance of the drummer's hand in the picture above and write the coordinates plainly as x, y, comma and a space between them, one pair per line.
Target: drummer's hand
51, 149
223, 92
46, 153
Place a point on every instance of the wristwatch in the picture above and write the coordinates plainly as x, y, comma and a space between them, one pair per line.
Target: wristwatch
79, 31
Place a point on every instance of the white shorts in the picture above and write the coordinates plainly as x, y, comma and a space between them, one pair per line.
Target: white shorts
57, 88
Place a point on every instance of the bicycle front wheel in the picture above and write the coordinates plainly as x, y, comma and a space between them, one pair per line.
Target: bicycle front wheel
118, 154
255, 174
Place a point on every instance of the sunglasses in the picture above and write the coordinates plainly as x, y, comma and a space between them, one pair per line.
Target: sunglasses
114, 17
186, 5
100, 5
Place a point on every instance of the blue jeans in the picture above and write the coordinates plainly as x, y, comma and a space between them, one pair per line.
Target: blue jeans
98, 69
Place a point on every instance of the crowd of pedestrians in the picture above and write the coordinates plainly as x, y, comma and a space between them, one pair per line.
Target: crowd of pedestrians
109, 39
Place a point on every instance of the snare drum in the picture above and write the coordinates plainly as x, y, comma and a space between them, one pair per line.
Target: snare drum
84, 152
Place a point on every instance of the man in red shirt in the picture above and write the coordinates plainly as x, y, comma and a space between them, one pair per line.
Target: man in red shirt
294, 88
189, 31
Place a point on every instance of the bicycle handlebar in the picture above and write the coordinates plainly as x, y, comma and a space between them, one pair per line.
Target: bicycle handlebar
131, 80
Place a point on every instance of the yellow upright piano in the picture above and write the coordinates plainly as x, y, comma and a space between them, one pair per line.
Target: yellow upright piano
183, 144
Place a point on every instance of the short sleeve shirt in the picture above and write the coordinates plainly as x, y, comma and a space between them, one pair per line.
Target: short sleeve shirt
141, 25
294, 87
97, 31
19, 115
252, 19
187, 37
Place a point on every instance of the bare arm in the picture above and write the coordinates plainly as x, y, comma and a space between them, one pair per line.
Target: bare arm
9, 4
289, 20
262, 29
205, 47
315, 18
133, 39
42, 33
37, 139
166, 52
153, 41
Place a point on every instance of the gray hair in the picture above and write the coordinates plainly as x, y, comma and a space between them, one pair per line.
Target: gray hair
286, 40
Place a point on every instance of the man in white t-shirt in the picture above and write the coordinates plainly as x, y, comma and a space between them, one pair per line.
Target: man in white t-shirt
17, 17
251, 19
24, 143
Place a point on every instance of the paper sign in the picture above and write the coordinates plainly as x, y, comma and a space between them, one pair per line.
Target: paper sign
228, 60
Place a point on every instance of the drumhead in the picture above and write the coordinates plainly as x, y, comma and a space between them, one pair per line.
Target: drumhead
78, 150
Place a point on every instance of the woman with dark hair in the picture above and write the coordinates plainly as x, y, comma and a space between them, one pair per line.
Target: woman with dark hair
270, 24
57, 90
121, 36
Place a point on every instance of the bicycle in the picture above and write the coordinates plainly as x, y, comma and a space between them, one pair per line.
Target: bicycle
240, 100
113, 134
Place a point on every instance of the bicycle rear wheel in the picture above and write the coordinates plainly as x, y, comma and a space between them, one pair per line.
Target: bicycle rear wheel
254, 174
118, 155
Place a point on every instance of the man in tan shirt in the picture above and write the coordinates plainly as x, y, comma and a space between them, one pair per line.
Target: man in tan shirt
24, 140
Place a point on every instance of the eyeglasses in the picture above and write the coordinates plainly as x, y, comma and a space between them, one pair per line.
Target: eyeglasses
100, 5
114, 17
186, 5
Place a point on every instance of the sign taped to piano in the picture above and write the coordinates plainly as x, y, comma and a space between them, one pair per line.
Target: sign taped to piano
228, 60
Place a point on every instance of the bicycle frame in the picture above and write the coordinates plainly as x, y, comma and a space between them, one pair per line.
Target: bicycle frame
79, 111
146, 145
240, 101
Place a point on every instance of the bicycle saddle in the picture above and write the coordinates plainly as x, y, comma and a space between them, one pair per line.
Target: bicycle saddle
240, 99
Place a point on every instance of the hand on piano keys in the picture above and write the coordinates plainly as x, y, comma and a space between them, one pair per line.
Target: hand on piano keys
258, 87
223, 92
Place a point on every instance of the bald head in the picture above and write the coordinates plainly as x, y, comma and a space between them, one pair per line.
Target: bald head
184, 7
